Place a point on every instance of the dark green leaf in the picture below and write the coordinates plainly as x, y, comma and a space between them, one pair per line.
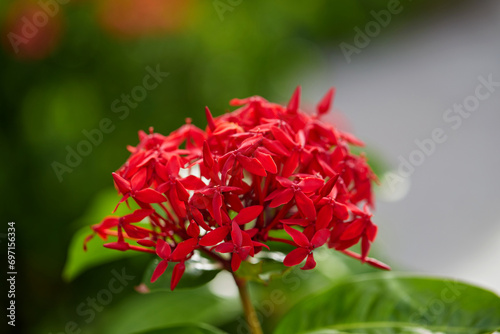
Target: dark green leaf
387, 303
186, 329
79, 260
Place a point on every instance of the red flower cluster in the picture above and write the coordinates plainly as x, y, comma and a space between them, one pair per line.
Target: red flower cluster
230, 189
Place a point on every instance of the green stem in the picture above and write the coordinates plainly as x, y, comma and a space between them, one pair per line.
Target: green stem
250, 314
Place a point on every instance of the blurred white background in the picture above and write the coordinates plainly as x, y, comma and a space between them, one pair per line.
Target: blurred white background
445, 218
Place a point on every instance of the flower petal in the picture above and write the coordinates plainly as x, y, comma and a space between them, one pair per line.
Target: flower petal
248, 214
236, 234
163, 249
177, 274
267, 162
295, 257
193, 230
284, 197
208, 159
326, 102
183, 249
291, 164
235, 261
310, 184
298, 237
252, 165
305, 205
320, 238
122, 185
225, 247
159, 270
293, 104
325, 215
149, 195
310, 263
214, 237
354, 230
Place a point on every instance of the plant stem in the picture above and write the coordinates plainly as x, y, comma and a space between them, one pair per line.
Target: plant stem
250, 314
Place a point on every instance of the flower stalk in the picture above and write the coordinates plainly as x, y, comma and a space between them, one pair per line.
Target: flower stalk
250, 315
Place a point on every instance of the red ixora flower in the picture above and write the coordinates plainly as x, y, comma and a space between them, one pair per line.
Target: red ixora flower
229, 189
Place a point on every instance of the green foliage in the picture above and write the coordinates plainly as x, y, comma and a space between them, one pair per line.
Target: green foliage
390, 303
140, 312
79, 260
185, 329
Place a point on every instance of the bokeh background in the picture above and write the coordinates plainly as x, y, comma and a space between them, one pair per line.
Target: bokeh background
66, 66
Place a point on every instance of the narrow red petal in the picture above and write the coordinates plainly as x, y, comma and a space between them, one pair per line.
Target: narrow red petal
365, 248
267, 162
248, 214
183, 249
177, 274
193, 230
310, 263
192, 182
236, 234
326, 102
208, 159
340, 211
216, 206
324, 217
320, 238
235, 262
214, 237
159, 270
311, 184
163, 249
173, 166
139, 179
295, 257
122, 185
327, 188
137, 215
210, 119
298, 237
293, 104
149, 195
305, 205
181, 191
225, 247
354, 230
282, 137
284, 197
252, 165
291, 164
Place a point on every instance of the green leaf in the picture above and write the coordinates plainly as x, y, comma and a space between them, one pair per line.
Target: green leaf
388, 303
186, 329
199, 271
79, 260
141, 312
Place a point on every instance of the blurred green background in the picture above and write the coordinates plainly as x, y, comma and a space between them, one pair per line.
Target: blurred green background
65, 78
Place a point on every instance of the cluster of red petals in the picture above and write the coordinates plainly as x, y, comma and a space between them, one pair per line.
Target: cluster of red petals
230, 189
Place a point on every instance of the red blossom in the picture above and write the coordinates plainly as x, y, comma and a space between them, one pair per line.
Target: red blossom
223, 190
